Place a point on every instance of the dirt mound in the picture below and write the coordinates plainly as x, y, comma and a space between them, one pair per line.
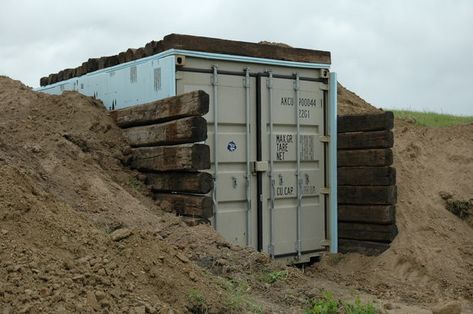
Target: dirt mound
432, 257
351, 103
63, 192
78, 232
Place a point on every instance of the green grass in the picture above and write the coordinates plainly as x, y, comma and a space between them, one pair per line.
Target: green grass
197, 301
239, 300
432, 119
134, 183
329, 305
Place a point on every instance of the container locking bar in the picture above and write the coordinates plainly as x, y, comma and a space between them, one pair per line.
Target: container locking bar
298, 171
246, 82
215, 152
272, 190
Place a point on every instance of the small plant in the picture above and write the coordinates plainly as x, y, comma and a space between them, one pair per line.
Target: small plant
275, 276
238, 300
359, 308
134, 183
462, 209
197, 302
326, 305
329, 305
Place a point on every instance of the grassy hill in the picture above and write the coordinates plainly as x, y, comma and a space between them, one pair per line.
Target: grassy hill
432, 119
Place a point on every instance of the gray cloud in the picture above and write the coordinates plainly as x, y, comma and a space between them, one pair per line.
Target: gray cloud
395, 54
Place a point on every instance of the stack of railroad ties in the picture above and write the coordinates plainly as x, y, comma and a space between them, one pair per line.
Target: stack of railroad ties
164, 137
194, 43
366, 183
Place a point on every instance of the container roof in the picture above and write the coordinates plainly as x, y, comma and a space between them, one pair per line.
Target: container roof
194, 43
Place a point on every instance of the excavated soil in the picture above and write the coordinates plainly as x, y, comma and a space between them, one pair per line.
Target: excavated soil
350, 103
79, 232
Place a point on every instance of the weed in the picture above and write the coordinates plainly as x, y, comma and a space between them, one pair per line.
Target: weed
329, 305
134, 183
238, 300
275, 276
463, 209
359, 308
326, 305
197, 302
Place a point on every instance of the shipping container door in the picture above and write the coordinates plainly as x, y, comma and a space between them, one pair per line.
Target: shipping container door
293, 206
232, 114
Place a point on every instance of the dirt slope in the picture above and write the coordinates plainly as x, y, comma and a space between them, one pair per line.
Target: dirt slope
350, 103
63, 191
64, 195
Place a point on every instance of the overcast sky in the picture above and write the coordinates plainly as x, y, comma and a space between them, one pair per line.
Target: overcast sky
396, 54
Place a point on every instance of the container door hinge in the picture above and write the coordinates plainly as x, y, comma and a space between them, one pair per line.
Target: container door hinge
324, 86
325, 139
325, 191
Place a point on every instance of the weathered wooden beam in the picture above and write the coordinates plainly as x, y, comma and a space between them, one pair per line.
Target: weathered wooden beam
140, 53
92, 65
185, 130
110, 61
363, 140
171, 158
130, 55
261, 50
52, 78
151, 48
363, 247
377, 214
60, 76
185, 204
365, 122
368, 157
372, 195
366, 176
368, 232
122, 57
185, 105
81, 70
214, 45
185, 182
43, 81
69, 73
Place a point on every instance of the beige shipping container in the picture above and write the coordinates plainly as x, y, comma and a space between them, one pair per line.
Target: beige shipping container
266, 195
